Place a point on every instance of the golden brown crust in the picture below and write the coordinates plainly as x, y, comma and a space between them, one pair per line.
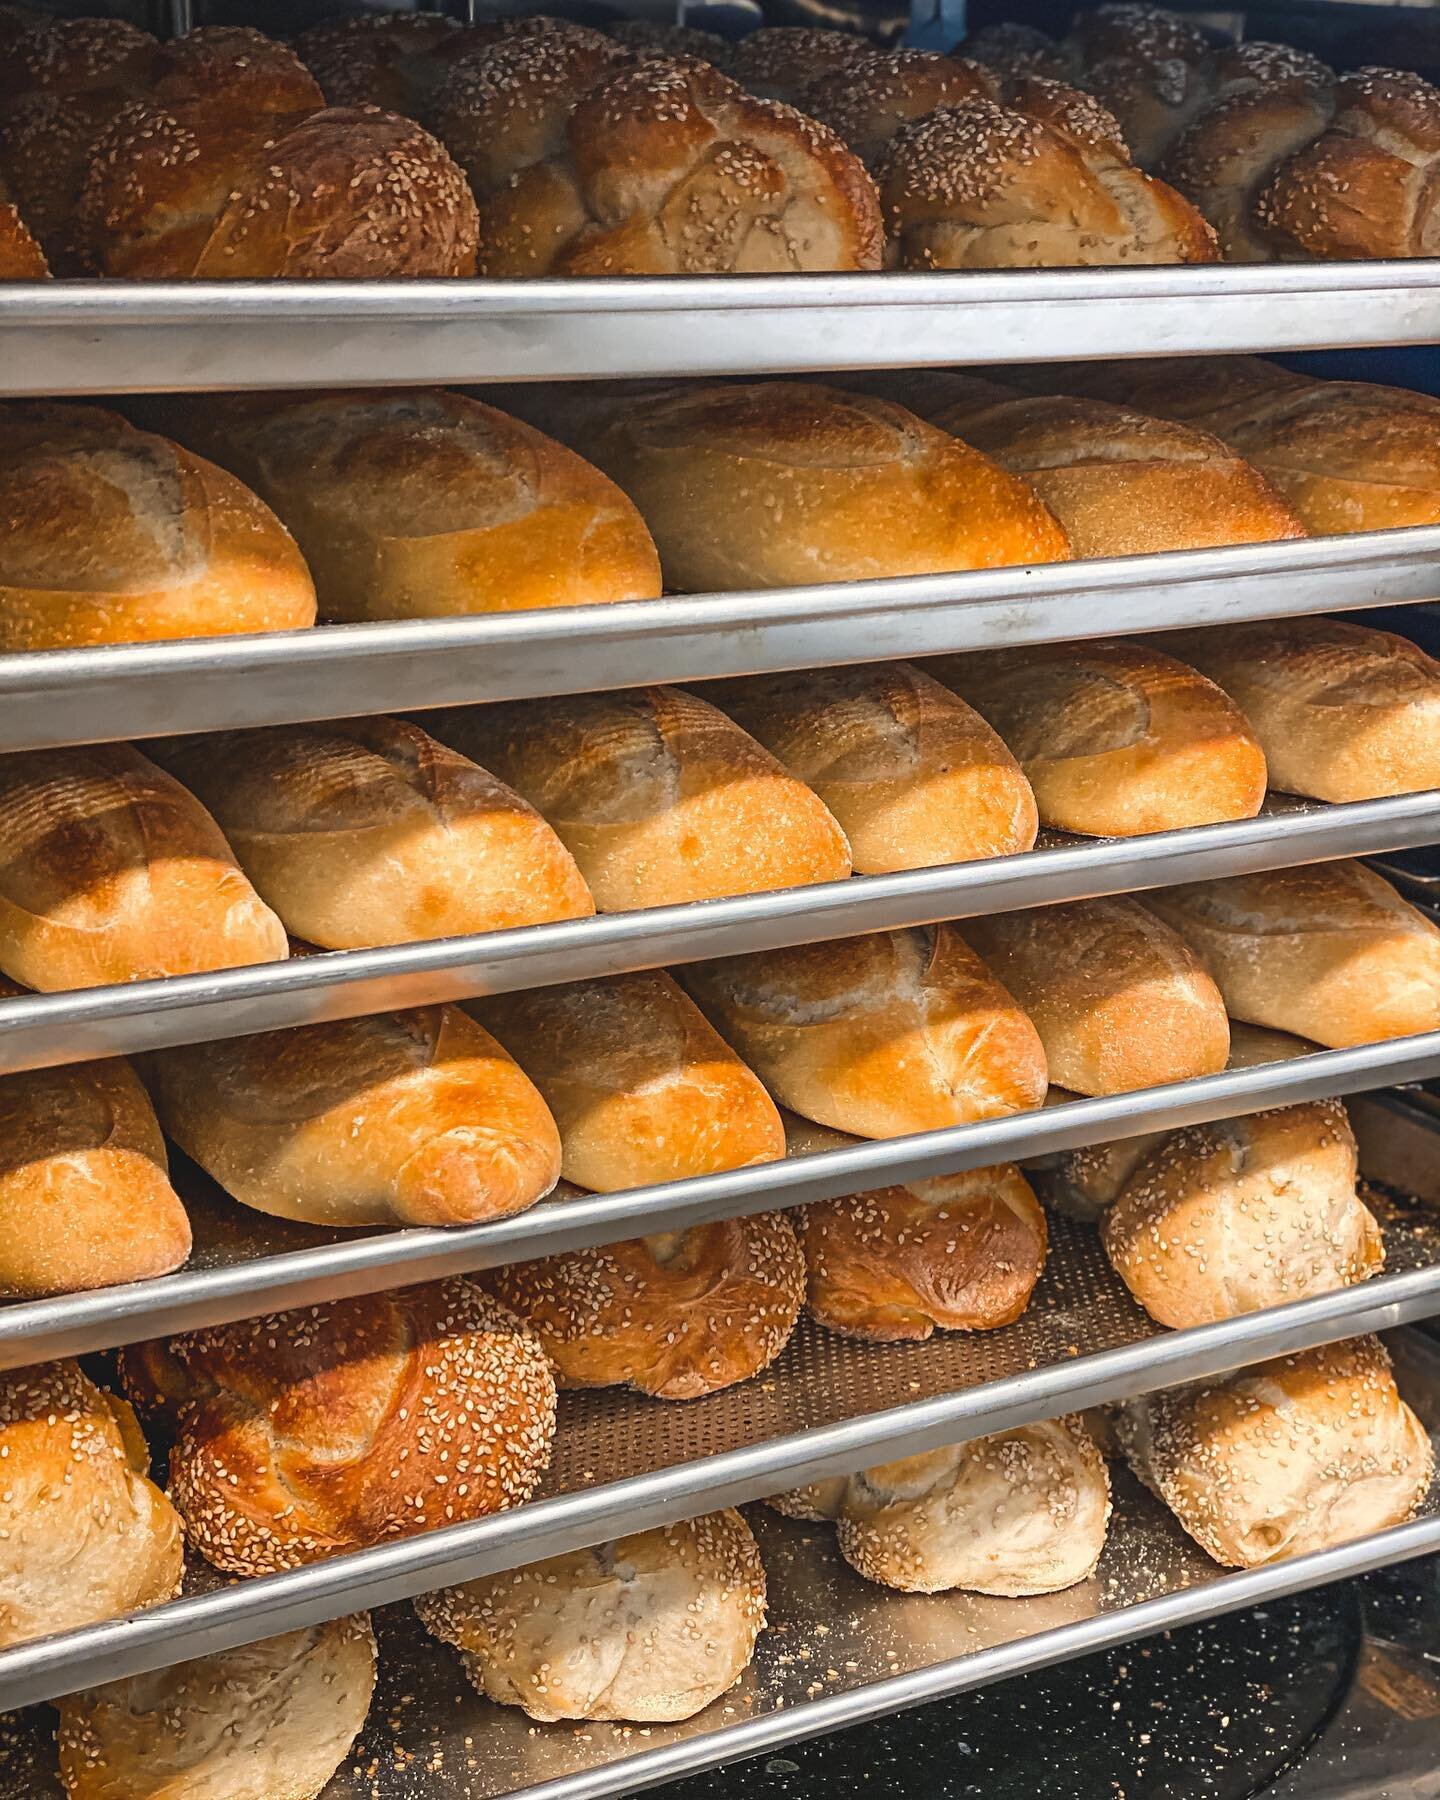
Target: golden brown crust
114, 873
304, 1434
21, 258
658, 796
678, 1315
1118, 1004
112, 535
85, 1535
866, 103
369, 831
233, 66
400, 1118
642, 1088
779, 62
895, 1032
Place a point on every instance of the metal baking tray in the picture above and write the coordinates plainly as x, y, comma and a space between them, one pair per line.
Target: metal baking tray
839, 1651
88, 337
624, 1462
37, 1030
133, 690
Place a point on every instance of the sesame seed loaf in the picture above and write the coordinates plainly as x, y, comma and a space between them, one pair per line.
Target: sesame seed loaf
370, 59
1116, 740
21, 258
865, 105
649, 1628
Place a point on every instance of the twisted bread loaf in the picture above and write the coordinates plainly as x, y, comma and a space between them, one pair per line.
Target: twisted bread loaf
779, 62
865, 105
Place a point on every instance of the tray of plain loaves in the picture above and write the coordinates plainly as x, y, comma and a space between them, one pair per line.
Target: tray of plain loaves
1137, 182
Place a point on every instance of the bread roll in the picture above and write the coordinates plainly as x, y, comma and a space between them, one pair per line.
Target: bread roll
1343, 712
961, 1252
266, 1721
894, 1032
362, 60
304, 1434
114, 537
866, 103
642, 1088
781, 61
398, 1118
786, 483
368, 831
21, 258
1043, 182
649, 1628
1115, 739
585, 162
1011, 49
1330, 951
914, 776
1119, 1000
1347, 455
1227, 1218
678, 1314
649, 38
114, 873
85, 1198
415, 503
85, 1535
656, 794
1022, 1512
1285, 1457
1120, 482
1152, 34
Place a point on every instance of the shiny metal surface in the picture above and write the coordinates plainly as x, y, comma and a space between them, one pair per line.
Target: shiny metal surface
41, 1029
623, 1462
119, 337
135, 690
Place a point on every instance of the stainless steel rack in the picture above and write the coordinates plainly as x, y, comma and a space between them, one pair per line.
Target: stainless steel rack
119, 337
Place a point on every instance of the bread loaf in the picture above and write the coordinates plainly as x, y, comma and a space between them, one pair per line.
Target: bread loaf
416, 503
85, 1197
115, 873
1116, 740
368, 831
1343, 712
85, 1535
1118, 999
781, 61
114, 536
1120, 482
1010, 48
894, 1032
678, 1314
266, 1721
865, 103
1283, 1458
398, 1118
1329, 952
304, 1434
366, 59
642, 1088
1227, 1218
585, 162
656, 794
21, 258
960, 1252
914, 776
648, 38
649, 1628
1022, 1512
786, 483
1042, 182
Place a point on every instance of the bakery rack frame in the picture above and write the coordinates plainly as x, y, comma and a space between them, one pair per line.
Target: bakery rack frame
95, 339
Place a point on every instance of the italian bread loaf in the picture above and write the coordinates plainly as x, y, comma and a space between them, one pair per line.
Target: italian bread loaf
417, 503
1330, 951
958, 1253
115, 536
1115, 739
305, 1434
398, 1118
267, 1721
643, 1089
1343, 712
656, 794
115, 873
786, 483
894, 1032
1119, 1000
651, 1627
1283, 1458
368, 831
85, 1535
914, 776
